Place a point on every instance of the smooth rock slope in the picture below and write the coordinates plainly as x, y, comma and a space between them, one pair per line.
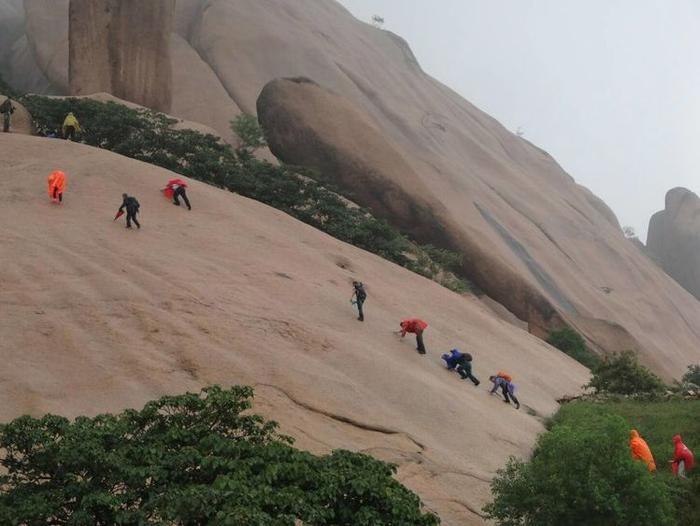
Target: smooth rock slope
532, 238
97, 317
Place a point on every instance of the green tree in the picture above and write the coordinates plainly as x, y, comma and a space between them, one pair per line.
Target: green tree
249, 131
186, 460
580, 476
692, 375
572, 343
621, 373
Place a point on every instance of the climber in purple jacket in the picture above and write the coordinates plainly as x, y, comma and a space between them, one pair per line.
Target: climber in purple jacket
507, 388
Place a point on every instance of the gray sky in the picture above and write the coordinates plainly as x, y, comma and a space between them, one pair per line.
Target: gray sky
611, 88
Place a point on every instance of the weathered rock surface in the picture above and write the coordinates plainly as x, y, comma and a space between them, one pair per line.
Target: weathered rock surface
537, 242
674, 238
307, 125
97, 318
47, 32
122, 47
552, 258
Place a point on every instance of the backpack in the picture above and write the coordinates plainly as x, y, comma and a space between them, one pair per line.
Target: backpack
508, 378
360, 292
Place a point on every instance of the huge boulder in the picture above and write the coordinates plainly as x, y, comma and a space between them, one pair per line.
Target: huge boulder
674, 238
122, 47
311, 126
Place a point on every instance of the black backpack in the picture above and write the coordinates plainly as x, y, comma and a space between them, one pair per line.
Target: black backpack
132, 203
360, 292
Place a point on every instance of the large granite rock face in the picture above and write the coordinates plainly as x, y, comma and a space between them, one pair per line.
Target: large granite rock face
540, 244
122, 47
674, 238
197, 299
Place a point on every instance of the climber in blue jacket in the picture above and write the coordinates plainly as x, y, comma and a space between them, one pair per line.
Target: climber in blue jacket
462, 363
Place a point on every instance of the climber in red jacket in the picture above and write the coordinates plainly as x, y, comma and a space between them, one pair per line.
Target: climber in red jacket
683, 459
414, 326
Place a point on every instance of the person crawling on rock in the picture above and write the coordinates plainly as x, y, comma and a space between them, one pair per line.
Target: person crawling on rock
414, 326
462, 363
57, 185
505, 382
175, 189
7, 109
359, 295
132, 207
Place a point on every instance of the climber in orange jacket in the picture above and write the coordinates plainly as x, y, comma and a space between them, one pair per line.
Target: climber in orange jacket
57, 185
683, 459
414, 326
640, 450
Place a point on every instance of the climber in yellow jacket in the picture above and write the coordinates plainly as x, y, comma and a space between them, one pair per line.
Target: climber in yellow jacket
640, 450
71, 126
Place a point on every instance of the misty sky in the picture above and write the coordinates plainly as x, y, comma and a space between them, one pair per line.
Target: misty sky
611, 88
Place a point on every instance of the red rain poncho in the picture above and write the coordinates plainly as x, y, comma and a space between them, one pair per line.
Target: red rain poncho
413, 325
169, 189
682, 453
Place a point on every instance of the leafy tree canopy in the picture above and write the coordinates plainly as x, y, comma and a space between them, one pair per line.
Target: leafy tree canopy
249, 131
187, 460
621, 373
692, 375
577, 476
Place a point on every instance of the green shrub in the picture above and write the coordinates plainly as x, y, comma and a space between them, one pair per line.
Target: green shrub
249, 131
621, 373
189, 459
572, 343
148, 136
581, 475
692, 375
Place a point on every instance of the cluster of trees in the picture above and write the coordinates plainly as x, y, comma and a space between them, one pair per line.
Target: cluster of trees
615, 373
149, 136
189, 459
621, 373
581, 471
692, 376
581, 475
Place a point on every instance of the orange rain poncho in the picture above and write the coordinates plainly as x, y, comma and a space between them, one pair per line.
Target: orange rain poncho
640, 450
57, 180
